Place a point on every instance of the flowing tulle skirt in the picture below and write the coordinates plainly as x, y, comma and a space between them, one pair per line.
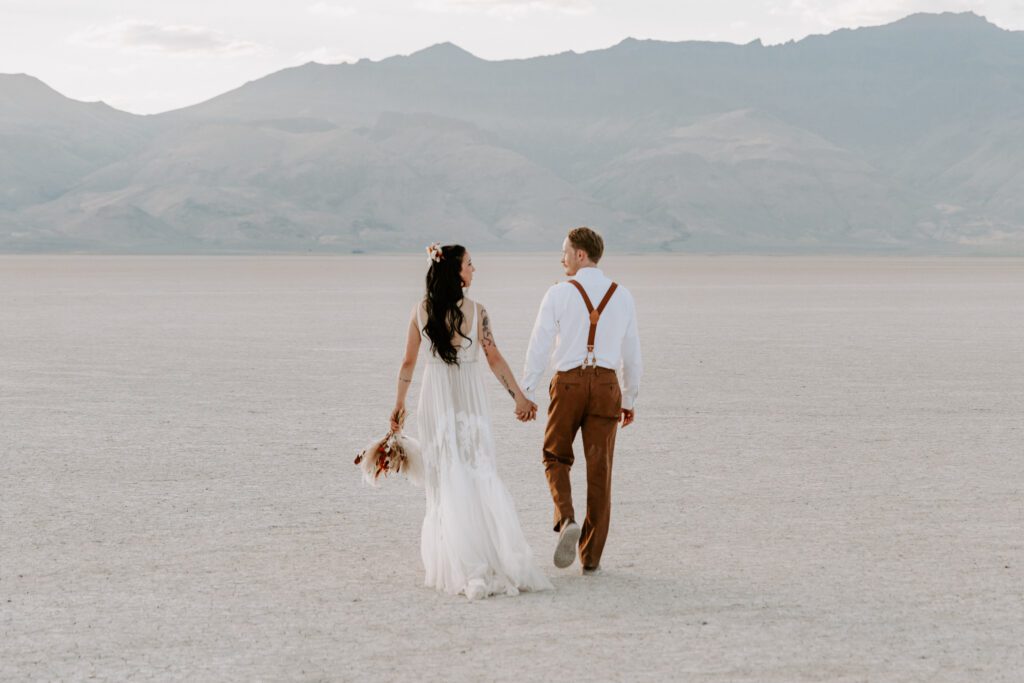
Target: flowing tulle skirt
472, 542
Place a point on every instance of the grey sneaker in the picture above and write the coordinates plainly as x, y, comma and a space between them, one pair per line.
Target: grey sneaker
565, 551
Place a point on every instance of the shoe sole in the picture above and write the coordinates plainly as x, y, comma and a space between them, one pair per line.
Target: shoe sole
565, 551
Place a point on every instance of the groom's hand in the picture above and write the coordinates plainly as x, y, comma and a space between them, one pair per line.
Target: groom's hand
529, 414
627, 417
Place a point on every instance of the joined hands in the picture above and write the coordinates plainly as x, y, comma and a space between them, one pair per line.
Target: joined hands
526, 410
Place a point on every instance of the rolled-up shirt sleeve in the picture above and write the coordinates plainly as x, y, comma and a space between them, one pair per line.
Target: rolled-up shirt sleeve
632, 363
538, 353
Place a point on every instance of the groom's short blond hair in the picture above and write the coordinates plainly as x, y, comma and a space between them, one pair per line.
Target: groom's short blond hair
589, 241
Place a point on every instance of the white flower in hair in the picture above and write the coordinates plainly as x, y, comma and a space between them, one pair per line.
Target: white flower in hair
434, 252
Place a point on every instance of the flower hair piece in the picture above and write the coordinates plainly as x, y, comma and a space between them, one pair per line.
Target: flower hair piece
434, 252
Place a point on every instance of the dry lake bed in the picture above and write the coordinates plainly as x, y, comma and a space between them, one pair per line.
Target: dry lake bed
825, 481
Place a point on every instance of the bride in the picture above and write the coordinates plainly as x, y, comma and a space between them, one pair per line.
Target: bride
471, 541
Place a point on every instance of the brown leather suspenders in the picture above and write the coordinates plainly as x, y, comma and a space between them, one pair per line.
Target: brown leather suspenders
595, 315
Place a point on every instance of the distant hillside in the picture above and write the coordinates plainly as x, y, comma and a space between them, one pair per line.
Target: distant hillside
904, 137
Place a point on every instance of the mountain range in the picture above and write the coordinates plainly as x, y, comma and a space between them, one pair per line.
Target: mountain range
907, 137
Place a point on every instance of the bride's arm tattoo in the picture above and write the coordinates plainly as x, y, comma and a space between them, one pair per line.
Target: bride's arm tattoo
507, 387
488, 337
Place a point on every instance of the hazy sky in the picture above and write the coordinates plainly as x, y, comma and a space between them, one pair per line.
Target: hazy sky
148, 57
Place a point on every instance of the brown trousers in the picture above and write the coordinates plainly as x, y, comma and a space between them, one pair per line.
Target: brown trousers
589, 400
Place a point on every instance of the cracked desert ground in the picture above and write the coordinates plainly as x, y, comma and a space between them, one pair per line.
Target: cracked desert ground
825, 481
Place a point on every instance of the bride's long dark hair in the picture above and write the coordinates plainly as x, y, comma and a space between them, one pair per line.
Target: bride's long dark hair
444, 292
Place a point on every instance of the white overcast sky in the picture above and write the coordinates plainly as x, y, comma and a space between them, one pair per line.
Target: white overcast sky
147, 57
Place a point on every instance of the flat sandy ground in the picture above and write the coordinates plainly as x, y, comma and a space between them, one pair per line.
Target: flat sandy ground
825, 481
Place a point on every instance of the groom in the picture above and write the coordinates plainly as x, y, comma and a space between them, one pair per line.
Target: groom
591, 323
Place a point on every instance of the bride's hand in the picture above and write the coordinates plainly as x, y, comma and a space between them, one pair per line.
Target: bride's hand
397, 417
526, 409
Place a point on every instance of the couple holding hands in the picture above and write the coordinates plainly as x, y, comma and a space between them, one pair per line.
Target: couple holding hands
472, 542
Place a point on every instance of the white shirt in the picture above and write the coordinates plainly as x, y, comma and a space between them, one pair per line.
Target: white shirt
563, 321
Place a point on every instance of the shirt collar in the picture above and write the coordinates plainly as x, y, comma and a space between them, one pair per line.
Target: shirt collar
588, 271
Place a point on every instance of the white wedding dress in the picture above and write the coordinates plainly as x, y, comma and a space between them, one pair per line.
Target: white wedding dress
471, 541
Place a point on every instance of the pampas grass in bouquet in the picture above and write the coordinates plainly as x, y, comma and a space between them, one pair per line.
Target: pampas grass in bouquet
393, 452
